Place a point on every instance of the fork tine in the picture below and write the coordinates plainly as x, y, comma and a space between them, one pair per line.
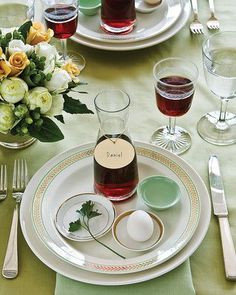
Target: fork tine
14, 182
26, 178
5, 177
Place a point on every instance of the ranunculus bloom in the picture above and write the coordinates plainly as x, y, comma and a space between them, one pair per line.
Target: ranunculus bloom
13, 89
18, 61
57, 105
39, 97
19, 46
50, 53
59, 81
5, 68
38, 34
71, 69
7, 118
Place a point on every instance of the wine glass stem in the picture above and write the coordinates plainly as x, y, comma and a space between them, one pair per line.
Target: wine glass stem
64, 48
171, 126
223, 109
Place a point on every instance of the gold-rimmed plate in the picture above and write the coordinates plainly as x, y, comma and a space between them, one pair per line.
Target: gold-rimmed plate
72, 172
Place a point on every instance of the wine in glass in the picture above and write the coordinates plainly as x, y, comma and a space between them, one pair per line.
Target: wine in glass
174, 80
62, 17
219, 61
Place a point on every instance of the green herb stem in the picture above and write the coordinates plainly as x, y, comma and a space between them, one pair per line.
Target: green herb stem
87, 228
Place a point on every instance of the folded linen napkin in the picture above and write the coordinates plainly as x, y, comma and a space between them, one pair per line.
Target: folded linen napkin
176, 282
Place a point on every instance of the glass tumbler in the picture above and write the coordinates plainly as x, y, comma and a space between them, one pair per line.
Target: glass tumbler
13, 13
118, 16
115, 161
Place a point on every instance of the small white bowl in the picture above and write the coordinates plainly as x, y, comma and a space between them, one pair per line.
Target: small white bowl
121, 236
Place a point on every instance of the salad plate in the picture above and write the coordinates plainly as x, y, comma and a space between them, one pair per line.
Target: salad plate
71, 173
146, 26
139, 44
58, 264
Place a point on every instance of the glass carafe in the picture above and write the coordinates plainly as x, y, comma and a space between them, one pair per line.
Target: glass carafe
115, 161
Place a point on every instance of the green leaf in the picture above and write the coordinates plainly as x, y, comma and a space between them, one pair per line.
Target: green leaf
75, 225
49, 131
60, 118
74, 106
87, 210
24, 29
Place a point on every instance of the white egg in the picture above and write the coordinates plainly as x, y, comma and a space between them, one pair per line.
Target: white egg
153, 1
140, 226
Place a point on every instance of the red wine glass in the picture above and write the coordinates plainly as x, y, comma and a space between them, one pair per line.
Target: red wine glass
62, 17
174, 80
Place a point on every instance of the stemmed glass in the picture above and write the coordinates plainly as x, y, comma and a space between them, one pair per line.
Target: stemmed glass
174, 80
219, 61
62, 17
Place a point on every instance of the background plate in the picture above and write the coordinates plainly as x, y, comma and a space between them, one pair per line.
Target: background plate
146, 26
177, 26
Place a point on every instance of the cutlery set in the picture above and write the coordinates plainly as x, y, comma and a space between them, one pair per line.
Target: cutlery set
19, 182
196, 27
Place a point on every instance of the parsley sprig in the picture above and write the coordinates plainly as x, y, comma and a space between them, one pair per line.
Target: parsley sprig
88, 213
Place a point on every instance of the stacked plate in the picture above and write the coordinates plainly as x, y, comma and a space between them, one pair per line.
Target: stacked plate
71, 173
151, 28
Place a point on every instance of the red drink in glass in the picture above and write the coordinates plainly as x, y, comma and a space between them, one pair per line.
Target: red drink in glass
174, 101
62, 19
116, 184
118, 16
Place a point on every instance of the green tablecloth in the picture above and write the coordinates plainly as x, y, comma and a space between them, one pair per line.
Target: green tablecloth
132, 72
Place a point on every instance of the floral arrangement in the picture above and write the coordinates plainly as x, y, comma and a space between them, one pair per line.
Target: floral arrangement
35, 84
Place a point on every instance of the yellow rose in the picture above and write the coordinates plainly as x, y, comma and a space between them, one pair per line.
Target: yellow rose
71, 69
5, 68
18, 61
38, 34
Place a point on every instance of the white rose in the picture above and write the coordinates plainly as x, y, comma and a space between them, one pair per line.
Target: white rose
59, 81
57, 105
50, 53
19, 46
7, 117
39, 97
13, 89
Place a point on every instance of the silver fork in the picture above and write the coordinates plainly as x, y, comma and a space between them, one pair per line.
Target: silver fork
212, 23
20, 180
196, 26
3, 182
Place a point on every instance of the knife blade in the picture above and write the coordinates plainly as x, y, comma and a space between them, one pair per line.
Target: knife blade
221, 211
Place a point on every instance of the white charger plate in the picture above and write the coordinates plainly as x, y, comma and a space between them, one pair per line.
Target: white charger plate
146, 26
72, 172
67, 269
123, 46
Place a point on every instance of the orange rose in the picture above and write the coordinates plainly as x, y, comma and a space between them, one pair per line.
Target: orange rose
18, 62
71, 69
38, 34
5, 68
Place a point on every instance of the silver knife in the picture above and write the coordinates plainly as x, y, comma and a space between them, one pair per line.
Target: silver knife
221, 211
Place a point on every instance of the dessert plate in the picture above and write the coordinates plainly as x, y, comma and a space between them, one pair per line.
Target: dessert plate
124, 46
72, 172
147, 25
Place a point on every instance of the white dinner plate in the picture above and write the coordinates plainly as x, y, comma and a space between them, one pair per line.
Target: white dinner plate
72, 172
58, 264
146, 26
118, 46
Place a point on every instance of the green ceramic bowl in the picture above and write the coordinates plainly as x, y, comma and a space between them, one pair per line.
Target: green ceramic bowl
89, 7
159, 192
